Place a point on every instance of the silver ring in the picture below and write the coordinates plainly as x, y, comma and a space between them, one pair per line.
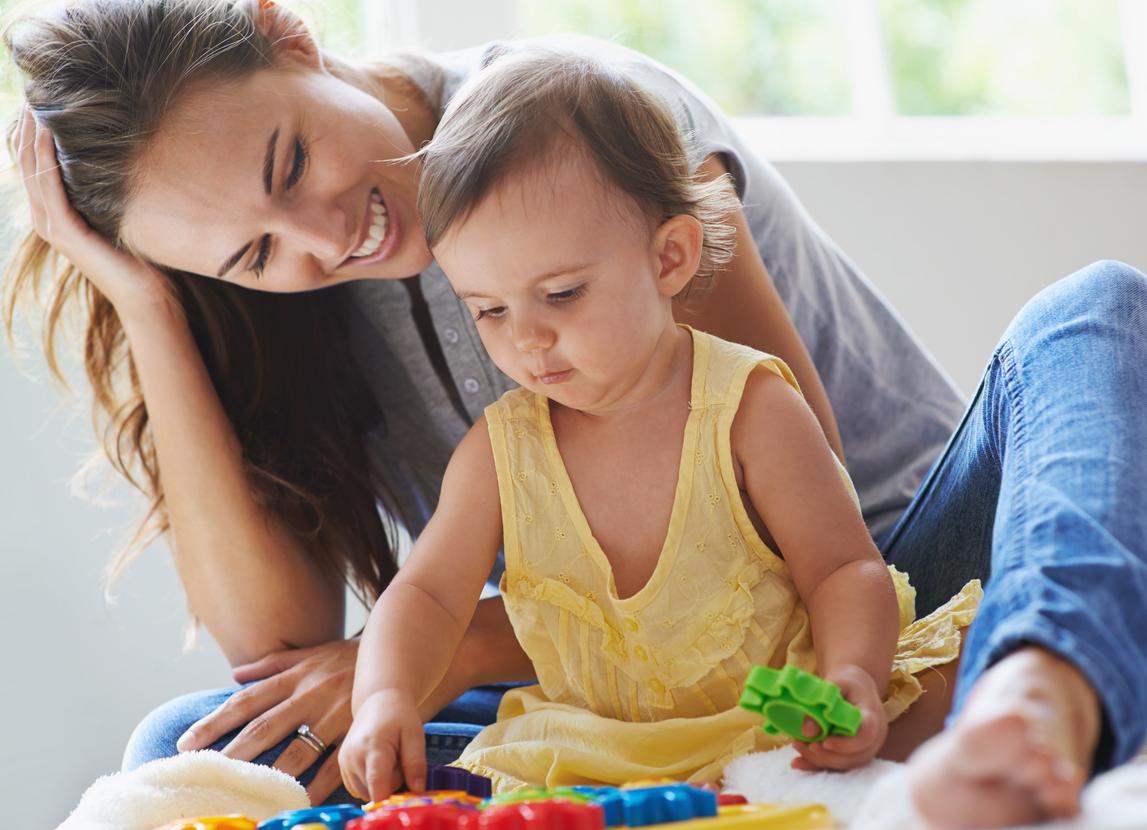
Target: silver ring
311, 739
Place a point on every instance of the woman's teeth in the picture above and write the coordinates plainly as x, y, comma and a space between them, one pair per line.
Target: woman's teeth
378, 226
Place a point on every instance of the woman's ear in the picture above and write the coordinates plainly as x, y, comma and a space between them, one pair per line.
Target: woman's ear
290, 38
677, 244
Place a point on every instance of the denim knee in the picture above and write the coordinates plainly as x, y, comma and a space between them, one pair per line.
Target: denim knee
156, 735
1108, 296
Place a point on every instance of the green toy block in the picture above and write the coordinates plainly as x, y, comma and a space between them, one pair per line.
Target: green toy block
785, 697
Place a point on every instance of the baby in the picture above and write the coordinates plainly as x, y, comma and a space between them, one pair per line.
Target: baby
670, 510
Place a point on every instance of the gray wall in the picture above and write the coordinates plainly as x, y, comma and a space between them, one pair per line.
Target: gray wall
957, 247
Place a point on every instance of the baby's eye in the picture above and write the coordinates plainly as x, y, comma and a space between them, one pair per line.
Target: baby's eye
568, 295
493, 313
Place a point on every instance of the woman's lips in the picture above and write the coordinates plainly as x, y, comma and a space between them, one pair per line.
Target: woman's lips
389, 242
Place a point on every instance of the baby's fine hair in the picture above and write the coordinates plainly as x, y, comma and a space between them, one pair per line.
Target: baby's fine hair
524, 103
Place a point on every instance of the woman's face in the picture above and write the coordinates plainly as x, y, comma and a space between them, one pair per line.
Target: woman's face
281, 181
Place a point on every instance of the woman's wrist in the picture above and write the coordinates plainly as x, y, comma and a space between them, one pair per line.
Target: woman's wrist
149, 311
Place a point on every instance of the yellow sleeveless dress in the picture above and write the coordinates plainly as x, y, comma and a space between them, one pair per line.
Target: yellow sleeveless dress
647, 686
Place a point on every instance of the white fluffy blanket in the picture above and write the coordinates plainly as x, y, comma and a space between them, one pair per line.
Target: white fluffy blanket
875, 797
190, 785
872, 798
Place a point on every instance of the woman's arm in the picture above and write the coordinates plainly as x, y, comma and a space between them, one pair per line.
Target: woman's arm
743, 306
246, 578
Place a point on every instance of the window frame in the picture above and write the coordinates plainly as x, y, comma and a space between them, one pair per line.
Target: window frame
874, 131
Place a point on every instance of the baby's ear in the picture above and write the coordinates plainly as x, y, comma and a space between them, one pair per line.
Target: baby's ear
290, 38
677, 242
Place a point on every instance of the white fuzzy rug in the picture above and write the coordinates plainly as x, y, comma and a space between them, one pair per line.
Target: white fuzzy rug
185, 786
875, 797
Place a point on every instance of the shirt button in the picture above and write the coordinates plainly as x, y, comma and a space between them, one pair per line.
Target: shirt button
450, 336
471, 385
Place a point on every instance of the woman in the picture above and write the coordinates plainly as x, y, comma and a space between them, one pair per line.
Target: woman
206, 138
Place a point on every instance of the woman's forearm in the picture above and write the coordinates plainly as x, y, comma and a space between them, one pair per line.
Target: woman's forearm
246, 578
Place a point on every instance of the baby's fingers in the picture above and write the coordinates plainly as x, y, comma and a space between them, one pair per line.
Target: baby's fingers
414, 756
823, 757
382, 776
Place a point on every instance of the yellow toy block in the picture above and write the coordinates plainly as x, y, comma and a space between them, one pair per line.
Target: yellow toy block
758, 817
232, 822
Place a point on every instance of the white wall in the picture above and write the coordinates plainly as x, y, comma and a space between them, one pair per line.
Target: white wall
957, 247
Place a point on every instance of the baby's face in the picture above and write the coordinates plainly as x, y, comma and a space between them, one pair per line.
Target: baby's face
561, 274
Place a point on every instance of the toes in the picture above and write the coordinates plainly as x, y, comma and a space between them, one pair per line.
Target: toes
996, 772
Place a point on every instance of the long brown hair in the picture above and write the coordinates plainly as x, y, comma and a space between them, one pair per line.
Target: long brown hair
101, 75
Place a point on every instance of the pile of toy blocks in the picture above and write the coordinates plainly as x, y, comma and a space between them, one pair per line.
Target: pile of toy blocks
458, 800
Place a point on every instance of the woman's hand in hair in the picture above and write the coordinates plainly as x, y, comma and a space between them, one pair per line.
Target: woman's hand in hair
123, 279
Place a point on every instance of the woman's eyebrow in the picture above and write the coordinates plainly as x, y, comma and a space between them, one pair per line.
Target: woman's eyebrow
269, 162
268, 178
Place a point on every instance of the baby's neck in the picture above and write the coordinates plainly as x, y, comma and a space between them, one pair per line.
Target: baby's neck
665, 382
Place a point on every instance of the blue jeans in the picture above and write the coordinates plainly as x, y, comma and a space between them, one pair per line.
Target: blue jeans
1042, 492
446, 735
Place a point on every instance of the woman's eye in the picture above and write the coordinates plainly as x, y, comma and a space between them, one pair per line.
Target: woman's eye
261, 258
493, 313
568, 295
299, 164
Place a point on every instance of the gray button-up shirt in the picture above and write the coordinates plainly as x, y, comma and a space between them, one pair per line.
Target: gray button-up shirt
895, 408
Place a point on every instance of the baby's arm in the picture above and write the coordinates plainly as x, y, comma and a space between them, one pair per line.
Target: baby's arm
793, 482
418, 622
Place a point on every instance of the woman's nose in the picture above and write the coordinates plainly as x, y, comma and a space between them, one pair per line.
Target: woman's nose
325, 234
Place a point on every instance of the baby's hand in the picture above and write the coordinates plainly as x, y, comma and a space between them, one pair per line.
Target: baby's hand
385, 745
840, 752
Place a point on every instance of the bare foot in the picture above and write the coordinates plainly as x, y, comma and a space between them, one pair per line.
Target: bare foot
1019, 752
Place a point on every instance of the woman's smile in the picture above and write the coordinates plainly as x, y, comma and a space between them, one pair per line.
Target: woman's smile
379, 235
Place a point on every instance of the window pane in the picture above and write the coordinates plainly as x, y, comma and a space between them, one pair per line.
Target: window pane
1021, 57
338, 24
769, 57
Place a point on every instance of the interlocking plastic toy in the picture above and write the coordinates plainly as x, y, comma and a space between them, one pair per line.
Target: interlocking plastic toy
764, 817
422, 817
234, 822
539, 815
636, 807
456, 797
562, 808
567, 815
331, 818
456, 778
785, 697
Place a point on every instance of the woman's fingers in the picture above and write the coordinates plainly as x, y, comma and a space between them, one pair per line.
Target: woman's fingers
274, 663
26, 144
264, 731
299, 756
241, 708
326, 780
